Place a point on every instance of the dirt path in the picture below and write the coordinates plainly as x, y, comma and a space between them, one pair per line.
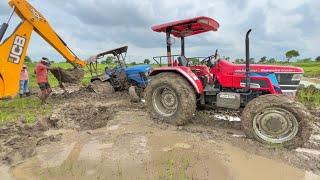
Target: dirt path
129, 145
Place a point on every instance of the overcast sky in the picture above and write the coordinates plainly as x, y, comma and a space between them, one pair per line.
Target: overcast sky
92, 26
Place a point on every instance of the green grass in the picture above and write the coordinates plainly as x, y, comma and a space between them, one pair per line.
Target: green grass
309, 96
175, 168
311, 68
28, 109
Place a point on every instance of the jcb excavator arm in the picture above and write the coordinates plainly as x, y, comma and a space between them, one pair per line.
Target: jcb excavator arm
13, 49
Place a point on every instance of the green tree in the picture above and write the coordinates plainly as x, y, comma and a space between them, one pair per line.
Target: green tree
109, 60
27, 59
251, 60
146, 61
318, 59
239, 61
133, 63
272, 61
263, 60
292, 54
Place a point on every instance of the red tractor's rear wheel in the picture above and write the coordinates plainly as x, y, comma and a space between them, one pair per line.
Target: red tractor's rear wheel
277, 120
170, 98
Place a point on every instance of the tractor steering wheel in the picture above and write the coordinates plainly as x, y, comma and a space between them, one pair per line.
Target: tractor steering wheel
208, 59
109, 71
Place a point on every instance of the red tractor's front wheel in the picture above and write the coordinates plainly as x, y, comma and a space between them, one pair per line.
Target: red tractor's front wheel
277, 120
171, 98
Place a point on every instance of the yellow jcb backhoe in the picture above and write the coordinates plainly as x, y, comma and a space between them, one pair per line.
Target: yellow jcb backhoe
14, 48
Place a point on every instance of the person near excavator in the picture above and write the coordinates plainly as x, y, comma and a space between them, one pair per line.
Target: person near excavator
41, 72
24, 82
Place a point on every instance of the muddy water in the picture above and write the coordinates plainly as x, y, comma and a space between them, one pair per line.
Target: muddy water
311, 81
132, 146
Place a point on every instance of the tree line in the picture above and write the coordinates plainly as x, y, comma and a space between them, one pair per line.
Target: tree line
289, 56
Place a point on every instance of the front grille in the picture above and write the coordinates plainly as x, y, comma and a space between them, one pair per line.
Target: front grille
286, 83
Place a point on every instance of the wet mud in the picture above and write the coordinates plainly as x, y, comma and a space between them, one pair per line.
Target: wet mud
95, 136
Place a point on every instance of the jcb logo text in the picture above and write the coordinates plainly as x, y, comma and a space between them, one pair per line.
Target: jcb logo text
17, 50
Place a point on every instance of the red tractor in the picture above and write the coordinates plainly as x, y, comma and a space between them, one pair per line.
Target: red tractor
175, 91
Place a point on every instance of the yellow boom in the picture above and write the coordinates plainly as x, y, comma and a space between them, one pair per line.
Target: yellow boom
13, 49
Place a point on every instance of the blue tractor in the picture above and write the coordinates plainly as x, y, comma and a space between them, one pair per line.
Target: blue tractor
121, 77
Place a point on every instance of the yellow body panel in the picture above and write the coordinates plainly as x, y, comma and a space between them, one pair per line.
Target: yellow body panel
10, 67
13, 50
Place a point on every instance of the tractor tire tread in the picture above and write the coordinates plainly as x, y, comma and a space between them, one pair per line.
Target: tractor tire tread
186, 95
302, 114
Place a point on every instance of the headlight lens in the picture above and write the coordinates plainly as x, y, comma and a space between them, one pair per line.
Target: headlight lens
296, 77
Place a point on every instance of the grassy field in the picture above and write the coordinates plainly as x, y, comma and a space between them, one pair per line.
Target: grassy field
28, 109
311, 69
309, 96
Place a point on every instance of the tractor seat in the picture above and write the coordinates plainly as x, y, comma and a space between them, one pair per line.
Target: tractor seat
183, 61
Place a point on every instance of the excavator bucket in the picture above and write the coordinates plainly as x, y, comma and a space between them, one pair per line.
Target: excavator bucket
68, 75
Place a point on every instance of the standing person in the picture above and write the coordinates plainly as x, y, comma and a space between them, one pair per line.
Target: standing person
41, 72
24, 82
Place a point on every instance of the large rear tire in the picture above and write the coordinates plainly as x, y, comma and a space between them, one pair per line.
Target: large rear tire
170, 98
277, 121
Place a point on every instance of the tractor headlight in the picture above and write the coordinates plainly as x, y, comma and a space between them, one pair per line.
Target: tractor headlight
296, 77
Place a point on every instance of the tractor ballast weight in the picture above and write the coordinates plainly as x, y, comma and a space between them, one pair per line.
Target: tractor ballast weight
175, 91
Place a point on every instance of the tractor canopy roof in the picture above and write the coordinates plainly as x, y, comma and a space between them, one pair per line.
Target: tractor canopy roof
188, 27
114, 52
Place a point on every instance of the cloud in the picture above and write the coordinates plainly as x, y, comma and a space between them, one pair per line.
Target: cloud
4, 8
91, 26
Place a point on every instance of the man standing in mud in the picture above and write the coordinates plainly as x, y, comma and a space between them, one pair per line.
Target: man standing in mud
41, 72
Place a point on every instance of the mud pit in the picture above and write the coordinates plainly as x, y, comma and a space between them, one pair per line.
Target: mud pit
115, 139
82, 116
18, 141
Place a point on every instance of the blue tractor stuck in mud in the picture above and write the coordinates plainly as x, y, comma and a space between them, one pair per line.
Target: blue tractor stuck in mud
121, 77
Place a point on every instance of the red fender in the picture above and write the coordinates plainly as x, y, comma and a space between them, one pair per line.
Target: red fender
185, 72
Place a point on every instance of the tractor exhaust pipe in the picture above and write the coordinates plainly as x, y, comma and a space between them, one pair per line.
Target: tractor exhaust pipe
248, 60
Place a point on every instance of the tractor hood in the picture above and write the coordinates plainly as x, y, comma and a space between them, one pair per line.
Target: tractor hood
241, 68
138, 69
